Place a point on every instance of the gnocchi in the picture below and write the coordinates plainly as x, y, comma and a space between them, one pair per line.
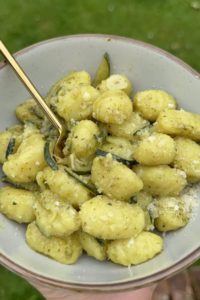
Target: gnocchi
54, 217
6, 136
17, 204
121, 175
23, 166
84, 139
66, 251
77, 103
187, 158
135, 250
111, 219
60, 183
129, 128
150, 103
118, 146
92, 246
179, 123
161, 180
26, 112
116, 82
171, 212
156, 149
114, 179
113, 107
68, 83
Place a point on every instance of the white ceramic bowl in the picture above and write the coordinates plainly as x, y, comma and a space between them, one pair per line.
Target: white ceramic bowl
147, 67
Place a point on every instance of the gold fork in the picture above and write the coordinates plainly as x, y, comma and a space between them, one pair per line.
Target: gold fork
57, 151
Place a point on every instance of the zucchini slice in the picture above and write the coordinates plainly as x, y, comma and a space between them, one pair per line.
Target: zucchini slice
133, 200
80, 167
82, 172
142, 131
89, 186
48, 157
10, 147
103, 71
126, 162
32, 186
101, 242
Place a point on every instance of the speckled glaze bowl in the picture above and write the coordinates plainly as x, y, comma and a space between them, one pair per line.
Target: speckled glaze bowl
147, 67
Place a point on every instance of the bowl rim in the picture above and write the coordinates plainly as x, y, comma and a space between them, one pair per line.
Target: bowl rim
123, 285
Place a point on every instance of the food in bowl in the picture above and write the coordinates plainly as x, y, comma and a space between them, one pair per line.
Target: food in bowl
122, 173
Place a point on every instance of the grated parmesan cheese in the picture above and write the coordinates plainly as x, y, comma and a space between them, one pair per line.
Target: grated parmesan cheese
190, 197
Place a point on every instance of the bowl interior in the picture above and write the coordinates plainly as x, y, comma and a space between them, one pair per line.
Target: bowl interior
147, 68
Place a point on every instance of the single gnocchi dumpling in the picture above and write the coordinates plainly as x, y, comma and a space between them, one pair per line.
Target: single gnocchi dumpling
84, 140
92, 246
135, 250
65, 186
26, 112
17, 204
116, 82
129, 128
172, 214
187, 158
114, 179
179, 123
23, 166
105, 218
150, 103
118, 146
54, 217
113, 107
13, 133
76, 104
66, 251
68, 83
157, 149
161, 180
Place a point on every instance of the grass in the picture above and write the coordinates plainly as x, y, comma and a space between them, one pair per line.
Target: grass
173, 25
13, 287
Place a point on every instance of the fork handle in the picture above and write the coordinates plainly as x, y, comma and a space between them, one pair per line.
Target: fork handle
30, 87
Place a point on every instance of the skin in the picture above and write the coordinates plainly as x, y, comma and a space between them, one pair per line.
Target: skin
61, 294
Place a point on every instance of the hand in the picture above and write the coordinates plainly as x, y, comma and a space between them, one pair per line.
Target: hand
51, 293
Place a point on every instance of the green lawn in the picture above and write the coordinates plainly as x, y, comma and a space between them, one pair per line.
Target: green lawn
173, 25
13, 287
170, 24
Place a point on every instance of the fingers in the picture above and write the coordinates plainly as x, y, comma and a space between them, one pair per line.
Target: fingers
195, 281
162, 292
183, 286
51, 293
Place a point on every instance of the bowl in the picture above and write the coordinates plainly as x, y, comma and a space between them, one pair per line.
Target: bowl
147, 67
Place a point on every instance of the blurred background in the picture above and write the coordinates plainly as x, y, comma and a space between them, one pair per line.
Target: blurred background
173, 25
